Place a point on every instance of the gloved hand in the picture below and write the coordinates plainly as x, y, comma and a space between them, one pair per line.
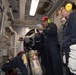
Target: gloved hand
72, 59
72, 65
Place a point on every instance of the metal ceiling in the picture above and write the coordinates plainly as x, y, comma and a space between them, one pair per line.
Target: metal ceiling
22, 16
21, 8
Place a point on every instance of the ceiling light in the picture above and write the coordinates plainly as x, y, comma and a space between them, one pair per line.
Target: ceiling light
34, 5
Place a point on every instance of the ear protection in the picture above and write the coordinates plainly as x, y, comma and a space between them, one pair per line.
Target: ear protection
69, 7
49, 21
45, 18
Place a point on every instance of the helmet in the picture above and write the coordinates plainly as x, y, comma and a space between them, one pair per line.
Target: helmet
45, 18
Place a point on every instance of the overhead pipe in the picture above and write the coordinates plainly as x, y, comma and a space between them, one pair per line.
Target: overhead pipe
56, 5
22, 9
2, 23
15, 51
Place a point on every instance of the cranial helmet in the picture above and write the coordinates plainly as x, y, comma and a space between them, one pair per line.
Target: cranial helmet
45, 18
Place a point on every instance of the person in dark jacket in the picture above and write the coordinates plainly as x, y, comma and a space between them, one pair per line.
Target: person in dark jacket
69, 29
16, 62
53, 58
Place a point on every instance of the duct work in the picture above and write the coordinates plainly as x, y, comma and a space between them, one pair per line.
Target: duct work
56, 5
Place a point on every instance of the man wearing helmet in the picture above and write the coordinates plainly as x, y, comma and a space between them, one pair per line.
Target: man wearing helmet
53, 60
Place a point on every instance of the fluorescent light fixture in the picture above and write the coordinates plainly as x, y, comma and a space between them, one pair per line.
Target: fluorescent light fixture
34, 5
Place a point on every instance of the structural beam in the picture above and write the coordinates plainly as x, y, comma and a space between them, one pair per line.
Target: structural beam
22, 9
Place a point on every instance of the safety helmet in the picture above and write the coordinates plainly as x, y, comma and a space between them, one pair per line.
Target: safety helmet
45, 18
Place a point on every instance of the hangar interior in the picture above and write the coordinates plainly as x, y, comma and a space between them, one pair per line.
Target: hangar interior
15, 21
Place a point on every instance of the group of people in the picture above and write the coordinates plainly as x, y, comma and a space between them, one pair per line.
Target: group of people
50, 55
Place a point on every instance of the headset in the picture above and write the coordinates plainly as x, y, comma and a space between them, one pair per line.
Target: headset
49, 21
70, 6
45, 18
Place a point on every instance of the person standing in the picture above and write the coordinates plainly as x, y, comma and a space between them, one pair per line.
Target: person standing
69, 30
53, 58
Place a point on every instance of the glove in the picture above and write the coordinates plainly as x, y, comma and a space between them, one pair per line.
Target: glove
72, 65
72, 59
